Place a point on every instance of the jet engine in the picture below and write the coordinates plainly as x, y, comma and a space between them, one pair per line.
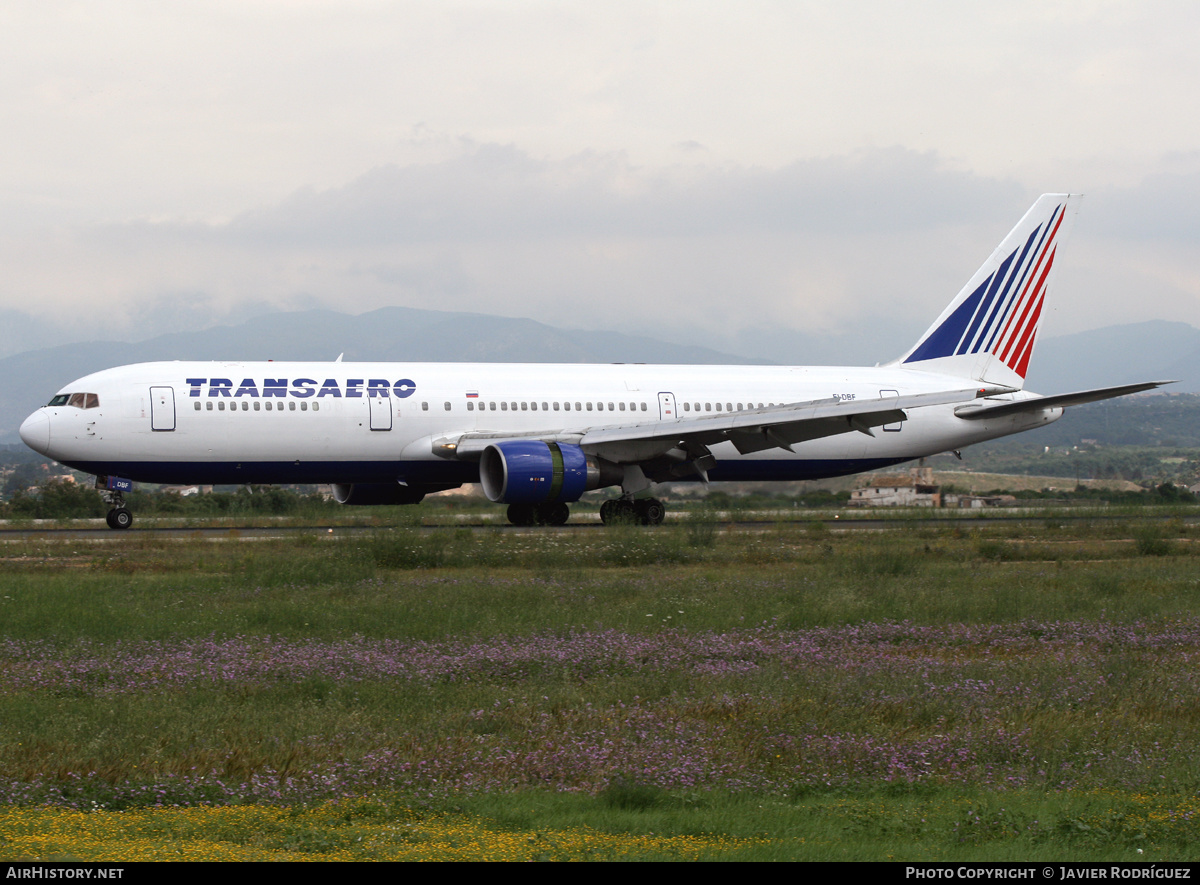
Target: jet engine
531, 471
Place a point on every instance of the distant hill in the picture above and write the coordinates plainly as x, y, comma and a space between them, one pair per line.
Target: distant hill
1114, 355
392, 333
1152, 351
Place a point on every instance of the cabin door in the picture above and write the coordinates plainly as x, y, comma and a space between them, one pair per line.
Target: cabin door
381, 410
891, 428
162, 408
666, 407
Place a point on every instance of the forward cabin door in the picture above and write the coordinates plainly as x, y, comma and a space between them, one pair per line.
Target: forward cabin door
162, 408
666, 407
381, 409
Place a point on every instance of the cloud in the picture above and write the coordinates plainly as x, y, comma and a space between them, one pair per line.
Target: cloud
497, 192
874, 240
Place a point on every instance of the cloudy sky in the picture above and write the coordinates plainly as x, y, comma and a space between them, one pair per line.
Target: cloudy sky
702, 172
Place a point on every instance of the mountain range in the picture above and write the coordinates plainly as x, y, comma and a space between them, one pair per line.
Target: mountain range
1151, 350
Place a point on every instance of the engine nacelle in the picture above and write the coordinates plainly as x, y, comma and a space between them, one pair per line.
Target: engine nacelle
361, 493
532, 471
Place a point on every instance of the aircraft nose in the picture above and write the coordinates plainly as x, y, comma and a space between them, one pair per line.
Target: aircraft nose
35, 432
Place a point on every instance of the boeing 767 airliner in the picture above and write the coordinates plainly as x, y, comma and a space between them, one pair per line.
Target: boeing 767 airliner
536, 437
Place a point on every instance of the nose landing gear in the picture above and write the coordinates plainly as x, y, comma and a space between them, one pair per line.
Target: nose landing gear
119, 518
112, 489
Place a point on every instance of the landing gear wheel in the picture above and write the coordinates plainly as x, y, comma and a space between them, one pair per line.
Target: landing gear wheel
651, 511
119, 518
618, 510
553, 514
522, 514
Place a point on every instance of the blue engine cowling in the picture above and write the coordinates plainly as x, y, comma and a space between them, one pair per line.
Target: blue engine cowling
531, 471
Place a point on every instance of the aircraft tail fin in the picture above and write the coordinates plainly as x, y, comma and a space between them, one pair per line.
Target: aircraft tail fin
987, 333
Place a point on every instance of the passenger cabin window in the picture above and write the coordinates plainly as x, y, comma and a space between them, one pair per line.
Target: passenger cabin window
447, 407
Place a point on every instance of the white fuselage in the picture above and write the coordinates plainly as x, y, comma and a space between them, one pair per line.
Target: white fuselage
308, 422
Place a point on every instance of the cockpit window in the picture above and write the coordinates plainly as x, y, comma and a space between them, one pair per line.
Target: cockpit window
78, 400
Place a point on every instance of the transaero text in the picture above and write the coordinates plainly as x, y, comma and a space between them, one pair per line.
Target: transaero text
302, 387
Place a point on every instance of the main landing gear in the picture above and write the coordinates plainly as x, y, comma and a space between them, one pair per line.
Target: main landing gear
539, 514
645, 511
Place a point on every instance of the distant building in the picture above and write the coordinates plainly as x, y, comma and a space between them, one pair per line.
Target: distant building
917, 489
187, 491
970, 501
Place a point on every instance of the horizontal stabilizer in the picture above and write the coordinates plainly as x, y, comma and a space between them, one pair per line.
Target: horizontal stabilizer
975, 411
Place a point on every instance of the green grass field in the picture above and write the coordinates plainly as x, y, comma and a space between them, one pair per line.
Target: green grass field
1026, 690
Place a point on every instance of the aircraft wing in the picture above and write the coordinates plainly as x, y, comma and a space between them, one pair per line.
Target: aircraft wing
978, 411
750, 430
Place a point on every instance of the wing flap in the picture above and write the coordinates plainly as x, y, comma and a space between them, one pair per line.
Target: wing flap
750, 430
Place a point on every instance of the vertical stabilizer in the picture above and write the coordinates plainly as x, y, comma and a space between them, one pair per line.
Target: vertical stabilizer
988, 332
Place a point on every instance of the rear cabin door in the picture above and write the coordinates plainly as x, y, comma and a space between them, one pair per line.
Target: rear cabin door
891, 428
162, 408
381, 409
